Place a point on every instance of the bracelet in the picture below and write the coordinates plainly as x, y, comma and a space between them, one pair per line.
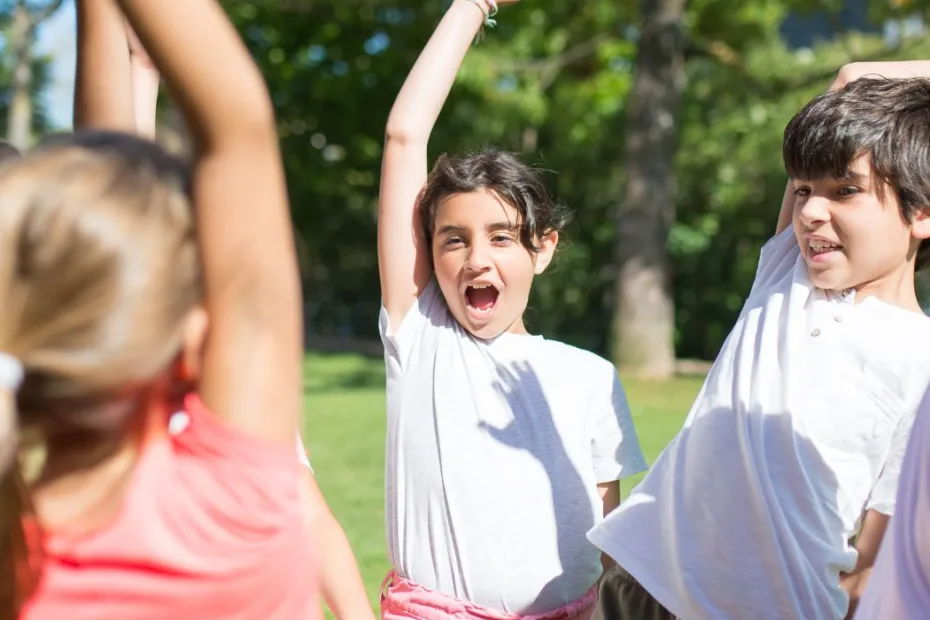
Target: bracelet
488, 9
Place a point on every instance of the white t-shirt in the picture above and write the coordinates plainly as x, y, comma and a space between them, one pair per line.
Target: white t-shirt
801, 425
899, 587
494, 452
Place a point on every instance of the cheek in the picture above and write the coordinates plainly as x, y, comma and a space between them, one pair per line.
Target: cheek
518, 269
447, 266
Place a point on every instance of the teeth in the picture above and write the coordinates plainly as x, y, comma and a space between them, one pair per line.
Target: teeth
819, 246
480, 285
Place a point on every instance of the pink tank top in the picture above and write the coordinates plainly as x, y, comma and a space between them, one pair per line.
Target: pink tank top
210, 528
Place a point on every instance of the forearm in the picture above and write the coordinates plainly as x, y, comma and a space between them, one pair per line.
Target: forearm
102, 93
340, 581
787, 208
610, 498
185, 51
145, 81
855, 584
427, 87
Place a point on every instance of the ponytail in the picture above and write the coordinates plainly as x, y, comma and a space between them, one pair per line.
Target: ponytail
16, 575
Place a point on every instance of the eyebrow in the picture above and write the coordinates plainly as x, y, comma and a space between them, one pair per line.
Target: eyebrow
853, 177
451, 229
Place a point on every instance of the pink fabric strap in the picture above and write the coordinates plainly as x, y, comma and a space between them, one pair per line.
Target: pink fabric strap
401, 599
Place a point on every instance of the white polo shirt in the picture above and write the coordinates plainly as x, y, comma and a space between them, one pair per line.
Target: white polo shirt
899, 587
800, 427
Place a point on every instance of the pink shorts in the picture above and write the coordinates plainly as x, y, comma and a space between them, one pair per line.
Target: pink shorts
402, 599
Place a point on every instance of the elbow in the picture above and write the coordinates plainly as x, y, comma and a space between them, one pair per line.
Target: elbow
403, 134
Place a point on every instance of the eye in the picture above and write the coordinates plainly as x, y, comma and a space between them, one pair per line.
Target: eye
802, 191
848, 190
453, 242
502, 240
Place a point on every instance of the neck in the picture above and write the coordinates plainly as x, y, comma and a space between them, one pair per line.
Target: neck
78, 499
895, 288
517, 327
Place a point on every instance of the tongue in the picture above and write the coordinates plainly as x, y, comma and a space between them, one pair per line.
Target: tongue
482, 298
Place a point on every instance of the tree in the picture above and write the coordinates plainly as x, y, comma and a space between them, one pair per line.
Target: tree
24, 20
643, 331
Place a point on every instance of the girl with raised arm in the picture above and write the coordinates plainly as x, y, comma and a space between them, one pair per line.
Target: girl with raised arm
503, 448
117, 88
111, 247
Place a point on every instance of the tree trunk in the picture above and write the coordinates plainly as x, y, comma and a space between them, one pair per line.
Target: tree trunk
19, 116
643, 328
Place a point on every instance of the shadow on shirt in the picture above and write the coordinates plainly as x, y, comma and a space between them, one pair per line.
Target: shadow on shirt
750, 537
520, 386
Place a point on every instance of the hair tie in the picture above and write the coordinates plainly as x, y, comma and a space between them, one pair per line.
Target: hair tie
11, 372
489, 9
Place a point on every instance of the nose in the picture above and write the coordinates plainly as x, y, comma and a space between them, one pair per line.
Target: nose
478, 259
814, 211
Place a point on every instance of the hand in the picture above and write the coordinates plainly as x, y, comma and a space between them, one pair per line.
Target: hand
891, 70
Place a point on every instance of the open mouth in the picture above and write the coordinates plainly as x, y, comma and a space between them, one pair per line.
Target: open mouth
481, 298
820, 249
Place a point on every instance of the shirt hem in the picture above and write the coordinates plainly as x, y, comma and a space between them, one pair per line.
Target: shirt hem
625, 560
625, 471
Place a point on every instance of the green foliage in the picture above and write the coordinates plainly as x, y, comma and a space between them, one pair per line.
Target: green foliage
550, 82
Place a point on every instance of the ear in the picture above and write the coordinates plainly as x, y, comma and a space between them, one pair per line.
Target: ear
195, 333
547, 245
920, 223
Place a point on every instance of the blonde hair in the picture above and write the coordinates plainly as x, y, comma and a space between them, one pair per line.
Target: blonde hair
99, 270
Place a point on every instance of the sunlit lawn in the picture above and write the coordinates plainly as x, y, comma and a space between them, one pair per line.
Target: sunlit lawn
345, 436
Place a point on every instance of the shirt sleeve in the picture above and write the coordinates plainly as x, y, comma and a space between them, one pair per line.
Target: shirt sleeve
429, 311
884, 492
615, 449
778, 256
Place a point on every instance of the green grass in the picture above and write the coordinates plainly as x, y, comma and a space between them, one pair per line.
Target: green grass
344, 404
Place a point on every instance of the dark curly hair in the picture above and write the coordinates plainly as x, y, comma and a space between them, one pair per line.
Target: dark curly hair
502, 173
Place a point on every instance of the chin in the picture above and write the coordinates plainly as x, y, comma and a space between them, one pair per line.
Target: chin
828, 282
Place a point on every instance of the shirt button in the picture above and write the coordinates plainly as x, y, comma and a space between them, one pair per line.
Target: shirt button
838, 318
815, 333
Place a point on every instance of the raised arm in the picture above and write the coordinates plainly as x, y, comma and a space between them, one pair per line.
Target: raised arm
102, 88
144, 78
252, 357
403, 258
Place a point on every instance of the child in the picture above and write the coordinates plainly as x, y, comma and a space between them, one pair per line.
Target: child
900, 583
117, 88
104, 274
793, 447
503, 448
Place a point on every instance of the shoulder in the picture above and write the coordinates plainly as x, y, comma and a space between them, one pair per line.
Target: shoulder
892, 348
578, 364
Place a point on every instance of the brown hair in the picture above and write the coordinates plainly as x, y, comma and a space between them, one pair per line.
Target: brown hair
100, 270
889, 120
502, 173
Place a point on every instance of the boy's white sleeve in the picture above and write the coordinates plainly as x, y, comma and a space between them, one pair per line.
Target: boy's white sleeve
615, 449
884, 493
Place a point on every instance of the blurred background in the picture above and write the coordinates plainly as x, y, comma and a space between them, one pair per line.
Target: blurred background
658, 122
675, 179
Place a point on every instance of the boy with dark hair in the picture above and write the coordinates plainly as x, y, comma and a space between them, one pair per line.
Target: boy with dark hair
773, 499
